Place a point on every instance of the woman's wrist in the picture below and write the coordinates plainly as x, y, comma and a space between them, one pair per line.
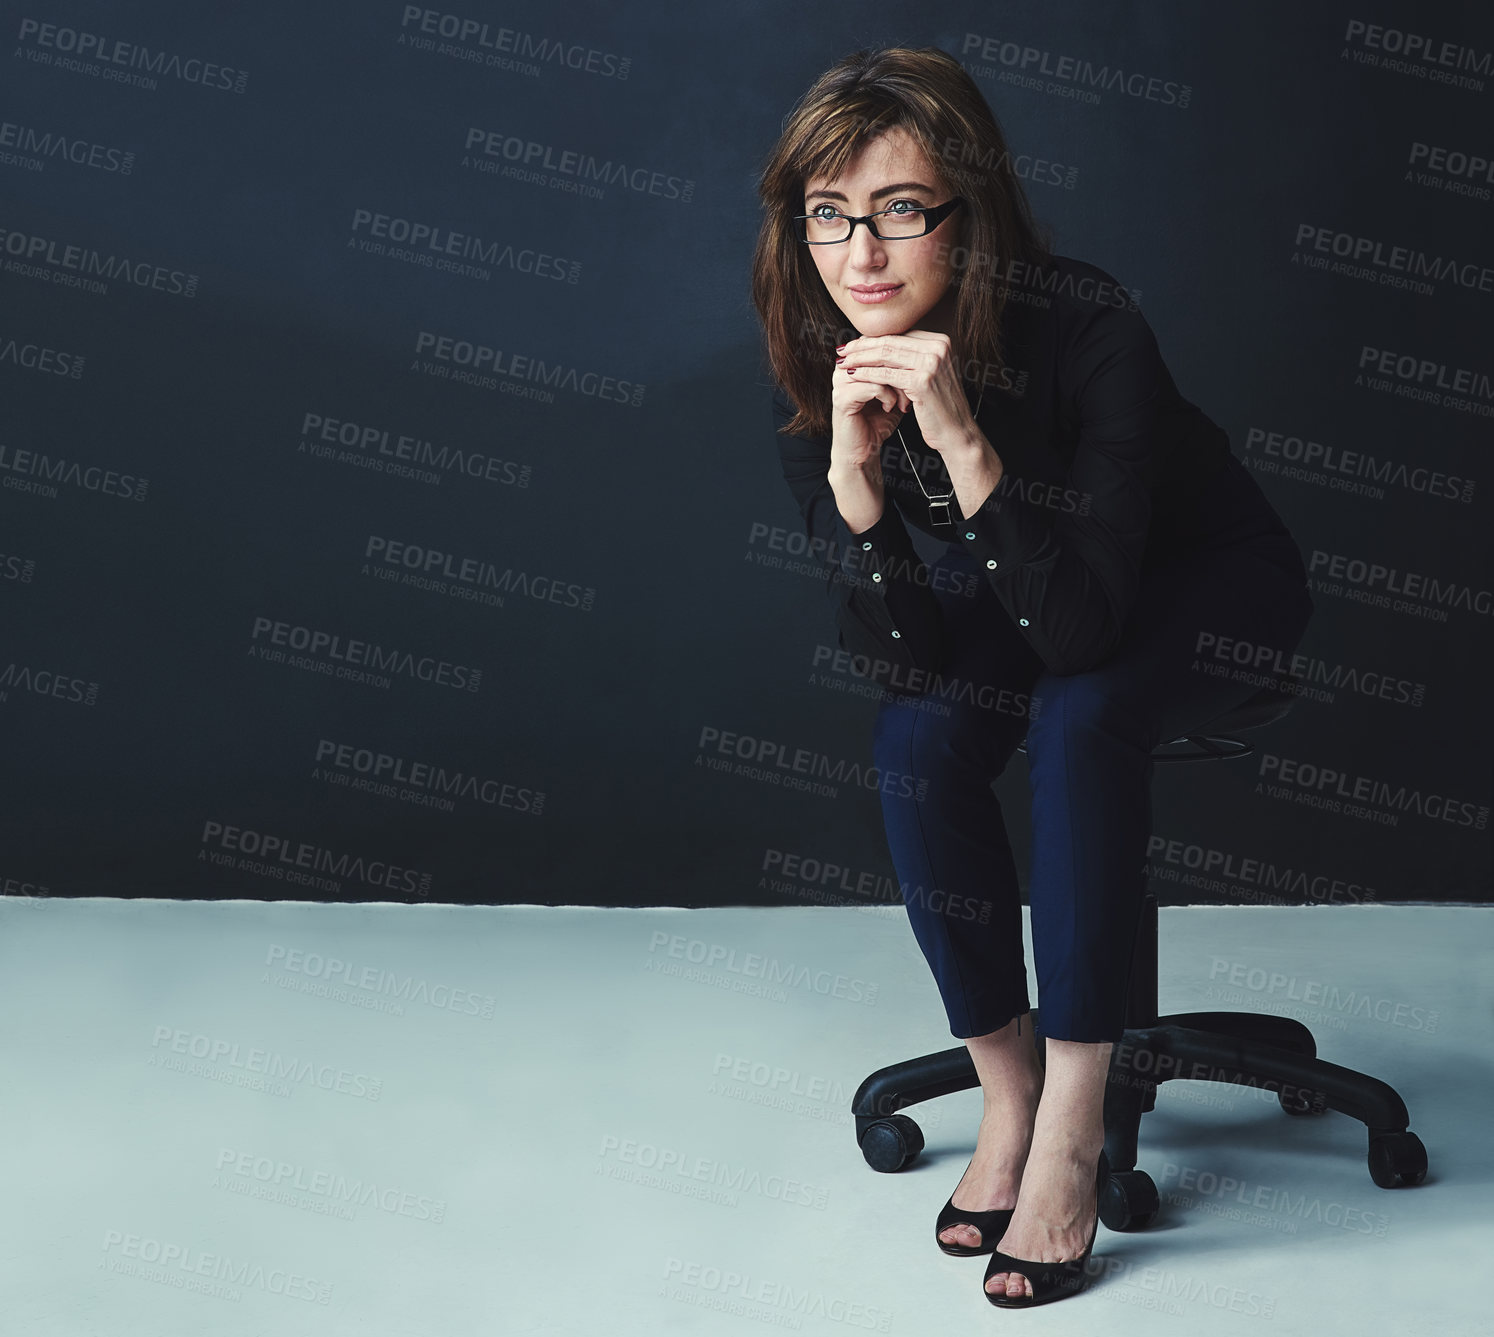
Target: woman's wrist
975, 469
859, 494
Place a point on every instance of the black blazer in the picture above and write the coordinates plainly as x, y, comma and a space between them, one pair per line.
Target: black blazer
1107, 469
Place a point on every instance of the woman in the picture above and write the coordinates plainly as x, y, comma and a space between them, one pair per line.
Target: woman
1013, 404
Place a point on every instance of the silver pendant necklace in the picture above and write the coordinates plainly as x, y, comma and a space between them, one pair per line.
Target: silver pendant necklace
938, 506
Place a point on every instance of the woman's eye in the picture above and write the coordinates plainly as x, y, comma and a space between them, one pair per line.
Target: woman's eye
897, 206
827, 211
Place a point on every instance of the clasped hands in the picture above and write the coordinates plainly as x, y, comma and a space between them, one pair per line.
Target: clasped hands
915, 370
882, 375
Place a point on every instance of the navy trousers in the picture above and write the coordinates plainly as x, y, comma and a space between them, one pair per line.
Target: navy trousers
1089, 740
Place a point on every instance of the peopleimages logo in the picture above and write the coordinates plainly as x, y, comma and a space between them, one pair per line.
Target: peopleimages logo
573, 169
17, 568
39, 473
41, 358
186, 1268
41, 39
1356, 464
31, 144
780, 1303
1034, 169
1073, 76
400, 559
44, 680
284, 1180
1255, 871
776, 761
1311, 781
1270, 661
393, 776
378, 980
1373, 577
506, 48
1425, 380
369, 446
72, 265
1450, 169
1395, 260
269, 1063
457, 359
444, 248
274, 855
1415, 53
335, 655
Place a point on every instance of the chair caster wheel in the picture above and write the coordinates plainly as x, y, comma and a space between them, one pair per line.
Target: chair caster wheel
1397, 1160
1298, 1102
1129, 1201
890, 1143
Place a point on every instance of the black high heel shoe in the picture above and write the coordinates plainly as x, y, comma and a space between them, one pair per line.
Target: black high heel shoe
1050, 1281
992, 1225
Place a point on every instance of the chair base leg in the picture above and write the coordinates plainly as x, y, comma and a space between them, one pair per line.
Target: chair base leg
1275, 1054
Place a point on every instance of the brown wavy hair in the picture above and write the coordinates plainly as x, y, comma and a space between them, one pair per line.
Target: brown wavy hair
869, 92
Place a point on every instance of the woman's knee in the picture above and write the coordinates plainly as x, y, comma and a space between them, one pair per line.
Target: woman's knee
1103, 701
928, 737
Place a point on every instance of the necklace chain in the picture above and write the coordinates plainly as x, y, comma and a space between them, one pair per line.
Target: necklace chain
944, 498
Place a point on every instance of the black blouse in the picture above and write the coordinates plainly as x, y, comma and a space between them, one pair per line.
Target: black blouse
1104, 466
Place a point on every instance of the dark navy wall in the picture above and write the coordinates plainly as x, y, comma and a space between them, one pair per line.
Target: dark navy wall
389, 504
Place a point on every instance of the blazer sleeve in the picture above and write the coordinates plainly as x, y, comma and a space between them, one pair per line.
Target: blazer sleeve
875, 582
1069, 577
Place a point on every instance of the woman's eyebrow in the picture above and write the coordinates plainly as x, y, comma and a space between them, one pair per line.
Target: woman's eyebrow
876, 194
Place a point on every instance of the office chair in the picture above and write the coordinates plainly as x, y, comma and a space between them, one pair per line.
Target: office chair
1242, 1048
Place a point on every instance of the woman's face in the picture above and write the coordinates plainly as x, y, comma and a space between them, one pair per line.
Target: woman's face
918, 269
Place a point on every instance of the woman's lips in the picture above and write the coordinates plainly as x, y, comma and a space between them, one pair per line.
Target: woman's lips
879, 294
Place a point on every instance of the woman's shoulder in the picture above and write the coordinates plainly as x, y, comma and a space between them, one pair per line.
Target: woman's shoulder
1073, 311
1081, 287
1101, 343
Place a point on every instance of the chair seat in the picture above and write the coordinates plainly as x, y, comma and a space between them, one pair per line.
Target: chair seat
1211, 739
1264, 706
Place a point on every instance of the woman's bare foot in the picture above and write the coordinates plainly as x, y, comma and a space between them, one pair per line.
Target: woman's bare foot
1012, 1082
1056, 1207
1054, 1214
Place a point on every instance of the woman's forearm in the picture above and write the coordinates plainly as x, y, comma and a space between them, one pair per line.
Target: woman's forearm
858, 498
975, 469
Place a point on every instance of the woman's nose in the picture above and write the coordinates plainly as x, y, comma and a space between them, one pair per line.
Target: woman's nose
864, 250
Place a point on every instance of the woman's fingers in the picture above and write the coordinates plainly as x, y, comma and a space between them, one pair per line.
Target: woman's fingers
912, 350
860, 389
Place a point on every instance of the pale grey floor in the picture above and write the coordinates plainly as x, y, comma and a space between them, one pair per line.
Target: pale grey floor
629, 1142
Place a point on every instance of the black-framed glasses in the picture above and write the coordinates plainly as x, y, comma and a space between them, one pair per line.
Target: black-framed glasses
826, 225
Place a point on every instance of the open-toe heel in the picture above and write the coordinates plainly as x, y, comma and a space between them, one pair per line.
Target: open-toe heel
992, 1226
1050, 1281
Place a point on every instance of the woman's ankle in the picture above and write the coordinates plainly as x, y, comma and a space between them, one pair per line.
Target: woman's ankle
1065, 1142
1012, 1104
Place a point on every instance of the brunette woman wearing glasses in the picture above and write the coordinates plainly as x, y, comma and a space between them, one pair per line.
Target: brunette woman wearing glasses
1011, 403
